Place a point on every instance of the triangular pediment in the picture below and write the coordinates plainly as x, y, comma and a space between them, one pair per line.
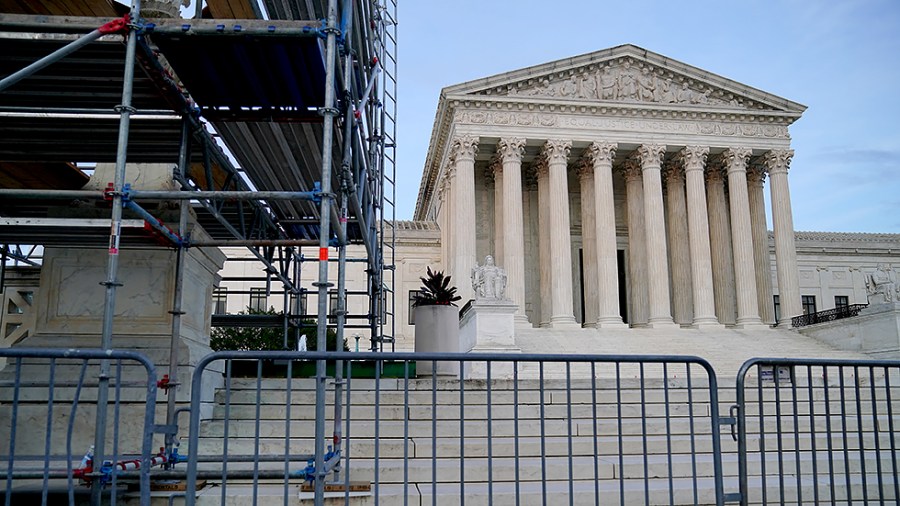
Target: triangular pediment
626, 75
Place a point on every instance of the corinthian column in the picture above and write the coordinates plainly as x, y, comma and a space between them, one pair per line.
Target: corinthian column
462, 155
556, 153
679, 252
513, 238
756, 176
589, 242
542, 171
655, 226
444, 220
736, 160
637, 243
778, 161
720, 244
693, 159
495, 173
601, 155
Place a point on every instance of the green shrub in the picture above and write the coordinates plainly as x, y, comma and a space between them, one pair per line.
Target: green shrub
268, 338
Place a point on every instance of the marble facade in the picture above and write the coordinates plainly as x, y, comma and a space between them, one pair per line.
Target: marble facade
617, 187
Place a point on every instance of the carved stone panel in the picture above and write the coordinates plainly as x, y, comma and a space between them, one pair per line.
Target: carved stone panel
626, 80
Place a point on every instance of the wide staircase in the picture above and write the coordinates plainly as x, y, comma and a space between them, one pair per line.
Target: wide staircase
634, 434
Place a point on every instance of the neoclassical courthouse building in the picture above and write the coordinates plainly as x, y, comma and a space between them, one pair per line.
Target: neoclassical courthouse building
621, 188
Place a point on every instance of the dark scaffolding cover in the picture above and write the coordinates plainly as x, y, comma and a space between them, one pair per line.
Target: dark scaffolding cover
249, 77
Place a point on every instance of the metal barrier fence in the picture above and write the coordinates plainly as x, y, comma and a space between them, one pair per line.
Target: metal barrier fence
518, 429
818, 431
51, 426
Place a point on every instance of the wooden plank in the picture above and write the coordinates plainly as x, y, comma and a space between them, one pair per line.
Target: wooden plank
39, 175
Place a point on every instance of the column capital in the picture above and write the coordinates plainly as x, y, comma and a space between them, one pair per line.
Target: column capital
693, 157
651, 155
673, 172
541, 167
495, 167
756, 174
715, 170
556, 150
511, 149
631, 169
442, 190
736, 159
600, 152
585, 169
449, 173
463, 147
778, 160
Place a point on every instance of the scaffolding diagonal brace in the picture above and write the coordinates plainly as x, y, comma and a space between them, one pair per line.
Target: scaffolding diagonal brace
115, 26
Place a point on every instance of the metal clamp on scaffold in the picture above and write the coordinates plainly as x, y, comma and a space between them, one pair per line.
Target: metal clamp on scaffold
120, 25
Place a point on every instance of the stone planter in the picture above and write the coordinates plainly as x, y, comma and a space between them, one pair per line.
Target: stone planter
437, 331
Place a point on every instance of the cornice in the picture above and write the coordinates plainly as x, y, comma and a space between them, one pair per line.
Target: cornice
861, 237
623, 109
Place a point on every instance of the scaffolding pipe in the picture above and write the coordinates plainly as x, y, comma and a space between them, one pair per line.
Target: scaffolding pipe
328, 113
218, 216
154, 222
111, 283
177, 311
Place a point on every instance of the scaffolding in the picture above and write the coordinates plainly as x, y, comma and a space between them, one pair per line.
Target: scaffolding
280, 127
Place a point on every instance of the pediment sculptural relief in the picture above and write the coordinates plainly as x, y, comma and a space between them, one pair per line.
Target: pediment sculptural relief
627, 80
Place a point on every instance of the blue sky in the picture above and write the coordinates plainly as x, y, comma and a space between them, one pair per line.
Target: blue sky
839, 58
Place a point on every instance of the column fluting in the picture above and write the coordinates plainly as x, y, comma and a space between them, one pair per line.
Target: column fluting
655, 227
778, 162
591, 282
756, 176
637, 244
601, 155
513, 229
720, 243
495, 173
679, 250
736, 160
556, 153
463, 155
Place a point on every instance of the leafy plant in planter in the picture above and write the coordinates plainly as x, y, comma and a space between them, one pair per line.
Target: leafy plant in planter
268, 338
436, 290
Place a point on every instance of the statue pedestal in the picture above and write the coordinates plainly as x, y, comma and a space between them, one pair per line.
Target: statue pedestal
488, 326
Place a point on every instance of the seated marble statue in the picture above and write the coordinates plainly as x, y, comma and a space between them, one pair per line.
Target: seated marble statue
488, 280
881, 285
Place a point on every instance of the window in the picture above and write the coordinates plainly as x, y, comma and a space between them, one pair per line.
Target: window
258, 299
411, 309
841, 301
333, 307
303, 303
777, 307
809, 304
220, 301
